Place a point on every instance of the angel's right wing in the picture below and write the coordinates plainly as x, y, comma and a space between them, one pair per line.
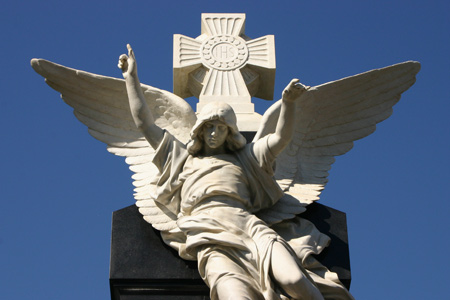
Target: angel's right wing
101, 103
329, 118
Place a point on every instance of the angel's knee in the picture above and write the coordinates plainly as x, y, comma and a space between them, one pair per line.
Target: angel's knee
289, 276
233, 289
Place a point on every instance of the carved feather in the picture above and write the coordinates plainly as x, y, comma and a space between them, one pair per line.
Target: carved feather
101, 103
329, 118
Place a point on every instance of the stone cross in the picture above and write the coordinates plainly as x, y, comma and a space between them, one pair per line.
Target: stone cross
223, 64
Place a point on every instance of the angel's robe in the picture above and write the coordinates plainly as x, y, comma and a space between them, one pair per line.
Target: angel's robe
215, 198
177, 167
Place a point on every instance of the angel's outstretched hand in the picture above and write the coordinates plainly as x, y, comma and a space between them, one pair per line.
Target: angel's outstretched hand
128, 63
294, 90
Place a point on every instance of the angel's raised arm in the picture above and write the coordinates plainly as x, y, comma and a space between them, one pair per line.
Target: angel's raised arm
140, 111
285, 125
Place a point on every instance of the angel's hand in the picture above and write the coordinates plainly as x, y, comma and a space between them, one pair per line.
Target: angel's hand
294, 90
128, 63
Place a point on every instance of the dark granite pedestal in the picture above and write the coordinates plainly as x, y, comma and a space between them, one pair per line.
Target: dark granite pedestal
143, 267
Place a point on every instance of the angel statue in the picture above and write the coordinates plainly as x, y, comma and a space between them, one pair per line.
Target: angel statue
216, 198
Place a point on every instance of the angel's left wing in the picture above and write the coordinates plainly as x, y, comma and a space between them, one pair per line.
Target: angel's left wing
101, 103
329, 118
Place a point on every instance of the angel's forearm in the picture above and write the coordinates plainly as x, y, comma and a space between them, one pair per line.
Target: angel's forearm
285, 128
139, 108
141, 113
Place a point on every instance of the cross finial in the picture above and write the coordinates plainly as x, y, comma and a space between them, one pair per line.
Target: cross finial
223, 64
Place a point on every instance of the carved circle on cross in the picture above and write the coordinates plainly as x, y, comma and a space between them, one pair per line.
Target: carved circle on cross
224, 52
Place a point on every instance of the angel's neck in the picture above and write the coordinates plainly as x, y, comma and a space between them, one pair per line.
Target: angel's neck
212, 151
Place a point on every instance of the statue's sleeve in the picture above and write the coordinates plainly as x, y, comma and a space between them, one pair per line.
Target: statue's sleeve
169, 158
258, 163
263, 155
164, 152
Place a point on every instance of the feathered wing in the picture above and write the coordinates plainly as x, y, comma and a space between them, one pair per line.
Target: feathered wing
329, 118
101, 103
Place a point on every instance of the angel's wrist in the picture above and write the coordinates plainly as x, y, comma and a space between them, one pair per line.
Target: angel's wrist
132, 80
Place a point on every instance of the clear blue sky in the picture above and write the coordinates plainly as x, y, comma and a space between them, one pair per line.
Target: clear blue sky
59, 186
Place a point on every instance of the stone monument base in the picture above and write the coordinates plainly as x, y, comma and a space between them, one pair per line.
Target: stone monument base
143, 267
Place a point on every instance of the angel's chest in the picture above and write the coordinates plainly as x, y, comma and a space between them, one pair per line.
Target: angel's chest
221, 167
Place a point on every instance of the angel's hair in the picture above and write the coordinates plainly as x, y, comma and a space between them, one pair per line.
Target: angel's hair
233, 141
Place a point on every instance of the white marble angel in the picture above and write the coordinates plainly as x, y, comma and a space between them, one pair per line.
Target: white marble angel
221, 201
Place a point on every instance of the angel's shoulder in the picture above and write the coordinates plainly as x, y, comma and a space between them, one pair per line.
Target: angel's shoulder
169, 149
258, 154
261, 147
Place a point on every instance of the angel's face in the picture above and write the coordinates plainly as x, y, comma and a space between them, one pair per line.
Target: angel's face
215, 133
